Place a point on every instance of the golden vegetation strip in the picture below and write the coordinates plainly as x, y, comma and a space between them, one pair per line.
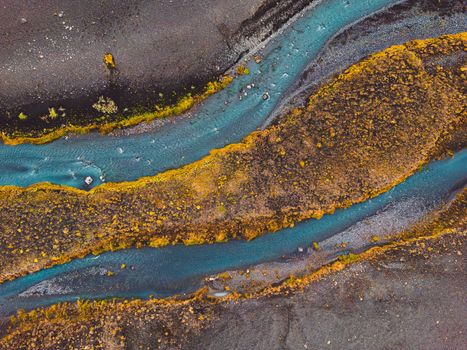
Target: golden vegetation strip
367, 130
50, 134
170, 322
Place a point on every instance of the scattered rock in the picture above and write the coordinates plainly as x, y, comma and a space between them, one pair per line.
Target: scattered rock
88, 180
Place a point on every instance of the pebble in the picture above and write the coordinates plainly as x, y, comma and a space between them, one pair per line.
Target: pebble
88, 180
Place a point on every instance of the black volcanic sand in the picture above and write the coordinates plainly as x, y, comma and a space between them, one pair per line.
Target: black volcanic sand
409, 20
51, 52
405, 300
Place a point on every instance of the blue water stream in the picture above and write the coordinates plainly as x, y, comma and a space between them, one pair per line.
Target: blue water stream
224, 118
179, 269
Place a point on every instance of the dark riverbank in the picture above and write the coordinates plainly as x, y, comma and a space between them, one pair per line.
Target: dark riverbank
406, 300
52, 54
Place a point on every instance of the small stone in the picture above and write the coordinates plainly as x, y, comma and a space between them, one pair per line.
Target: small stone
266, 96
88, 180
24, 20
315, 246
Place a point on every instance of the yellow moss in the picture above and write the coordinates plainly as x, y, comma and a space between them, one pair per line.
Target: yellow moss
105, 105
22, 116
53, 113
315, 246
194, 240
157, 242
109, 61
224, 276
348, 258
221, 237
242, 70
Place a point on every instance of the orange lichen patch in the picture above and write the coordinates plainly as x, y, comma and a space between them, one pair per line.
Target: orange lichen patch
183, 105
103, 324
377, 125
157, 242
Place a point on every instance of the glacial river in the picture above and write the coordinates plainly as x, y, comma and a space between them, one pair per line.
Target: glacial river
224, 118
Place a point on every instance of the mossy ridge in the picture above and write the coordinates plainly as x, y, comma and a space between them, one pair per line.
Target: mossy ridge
353, 143
87, 319
184, 104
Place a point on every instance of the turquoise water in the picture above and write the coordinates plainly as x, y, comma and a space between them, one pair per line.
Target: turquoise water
179, 269
224, 118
